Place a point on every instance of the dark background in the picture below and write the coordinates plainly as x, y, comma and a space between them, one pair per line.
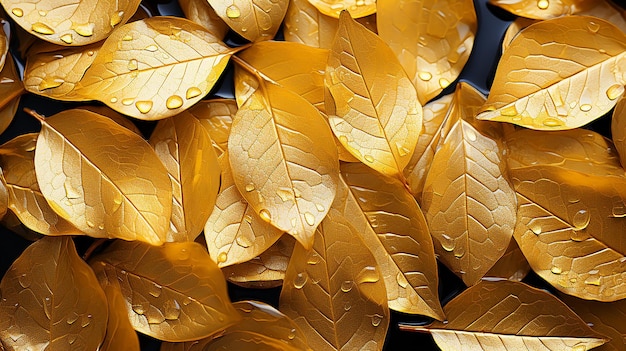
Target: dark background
492, 22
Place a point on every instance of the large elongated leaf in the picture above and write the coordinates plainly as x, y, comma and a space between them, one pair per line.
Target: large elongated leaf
51, 300
432, 39
253, 20
559, 74
375, 112
334, 290
70, 22
393, 227
284, 161
172, 292
544, 9
156, 67
504, 315
101, 177
120, 334
216, 116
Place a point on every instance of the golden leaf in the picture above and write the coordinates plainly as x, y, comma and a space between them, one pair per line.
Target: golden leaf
65, 22
432, 39
254, 20
558, 74
155, 68
356, 8
394, 229
467, 199
261, 327
185, 148
305, 24
117, 117
605, 318
305, 75
203, 14
172, 292
334, 291
618, 130
375, 113
569, 227
120, 334
266, 270
544, 9
7, 112
246, 83
505, 315
283, 160
54, 71
4, 50
234, 232
11, 222
607, 10
216, 116
104, 179
51, 300
512, 265
4, 196
11, 85
514, 28
25, 198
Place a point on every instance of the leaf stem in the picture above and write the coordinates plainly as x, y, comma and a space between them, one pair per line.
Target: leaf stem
96, 244
248, 67
39, 117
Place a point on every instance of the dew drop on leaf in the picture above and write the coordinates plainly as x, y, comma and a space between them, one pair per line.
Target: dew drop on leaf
346, 286
192, 92
368, 274
581, 219
543, 4
152, 48
593, 27
174, 102
556, 270
18, 12
84, 30
144, 106
376, 320
42, 28
222, 257
72, 318
585, 107
265, 215
233, 11
615, 91
447, 243
67, 38
309, 218
171, 309
300, 280
425, 76
155, 290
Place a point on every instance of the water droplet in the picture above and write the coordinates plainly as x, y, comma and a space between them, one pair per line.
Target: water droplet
368, 274
471, 136
535, 228
320, 207
447, 243
155, 290
72, 318
222, 257
376, 320
313, 259
552, 122
233, 11
593, 280
84, 30
292, 334
443, 83
152, 48
300, 280
171, 309
18, 12
619, 211
556, 270
509, 111
346, 285
245, 239
132, 65
285, 194
144, 106
581, 219
401, 280
70, 191
140, 308
543, 4
369, 158
113, 100
42, 28
459, 251
265, 215
249, 187
85, 320
192, 93
50, 83
347, 306
309, 218
585, 107
67, 38
247, 218
127, 101
425, 76
25, 280
116, 18
42, 13
174, 102
615, 91
127, 37
593, 27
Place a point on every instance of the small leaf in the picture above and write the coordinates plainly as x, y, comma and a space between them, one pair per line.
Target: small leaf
172, 292
101, 177
356, 8
155, 68
505, 315
216, 116
544, 9
283, 160
64, 22
203, 14
51, 300
254, 20
512, 265
184, 147
558, 74
375, 113
432, 39
120, 334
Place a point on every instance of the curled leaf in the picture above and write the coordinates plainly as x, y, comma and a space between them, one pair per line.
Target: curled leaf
216, 116
544, 9
253, 20
101, 177
136, 66
120, 334
172, 292
51, 300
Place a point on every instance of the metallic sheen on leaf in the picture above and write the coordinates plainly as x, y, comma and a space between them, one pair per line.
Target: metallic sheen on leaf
255, 20
120, 334
544, 9
216, 116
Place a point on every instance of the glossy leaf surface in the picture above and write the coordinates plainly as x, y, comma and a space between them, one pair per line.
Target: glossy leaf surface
10, 83
544, 9
185, 148
70, 22
101, 177
120, 334
305, 24
558, 74
334, 291
512, 265
203, 14
618, 129
393, 227
135, 70
216, 116
504, 315
375, 113
172, 292
432, 39
253, 20
355, 8
283, 160
51, 300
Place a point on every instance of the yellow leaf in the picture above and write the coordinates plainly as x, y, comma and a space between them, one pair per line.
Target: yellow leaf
305, 24
261, 328
101, 177
216, 116
618, 130
334, 291
4, 196
185, 148
234, 233
203, 14
558, 74
64, 22
254, 20
514, 28
432, 39
4, 48
467, 199
118, 118
54, 71
172, 292
155, 68
25, 197
505, 315
512, 265
375, 113
394, 229
11, 85
544, 9
283, 160
51, 300
356, 8
120, 334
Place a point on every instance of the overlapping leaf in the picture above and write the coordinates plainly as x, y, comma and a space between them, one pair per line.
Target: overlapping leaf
172, 292
544, 9
253, 20
216, 116
305, 24
203, 14
51, 300
559, 74
11, 88
120, 334
155, 68
512, 265
374, 110
356, 8
618, 129
102, 178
